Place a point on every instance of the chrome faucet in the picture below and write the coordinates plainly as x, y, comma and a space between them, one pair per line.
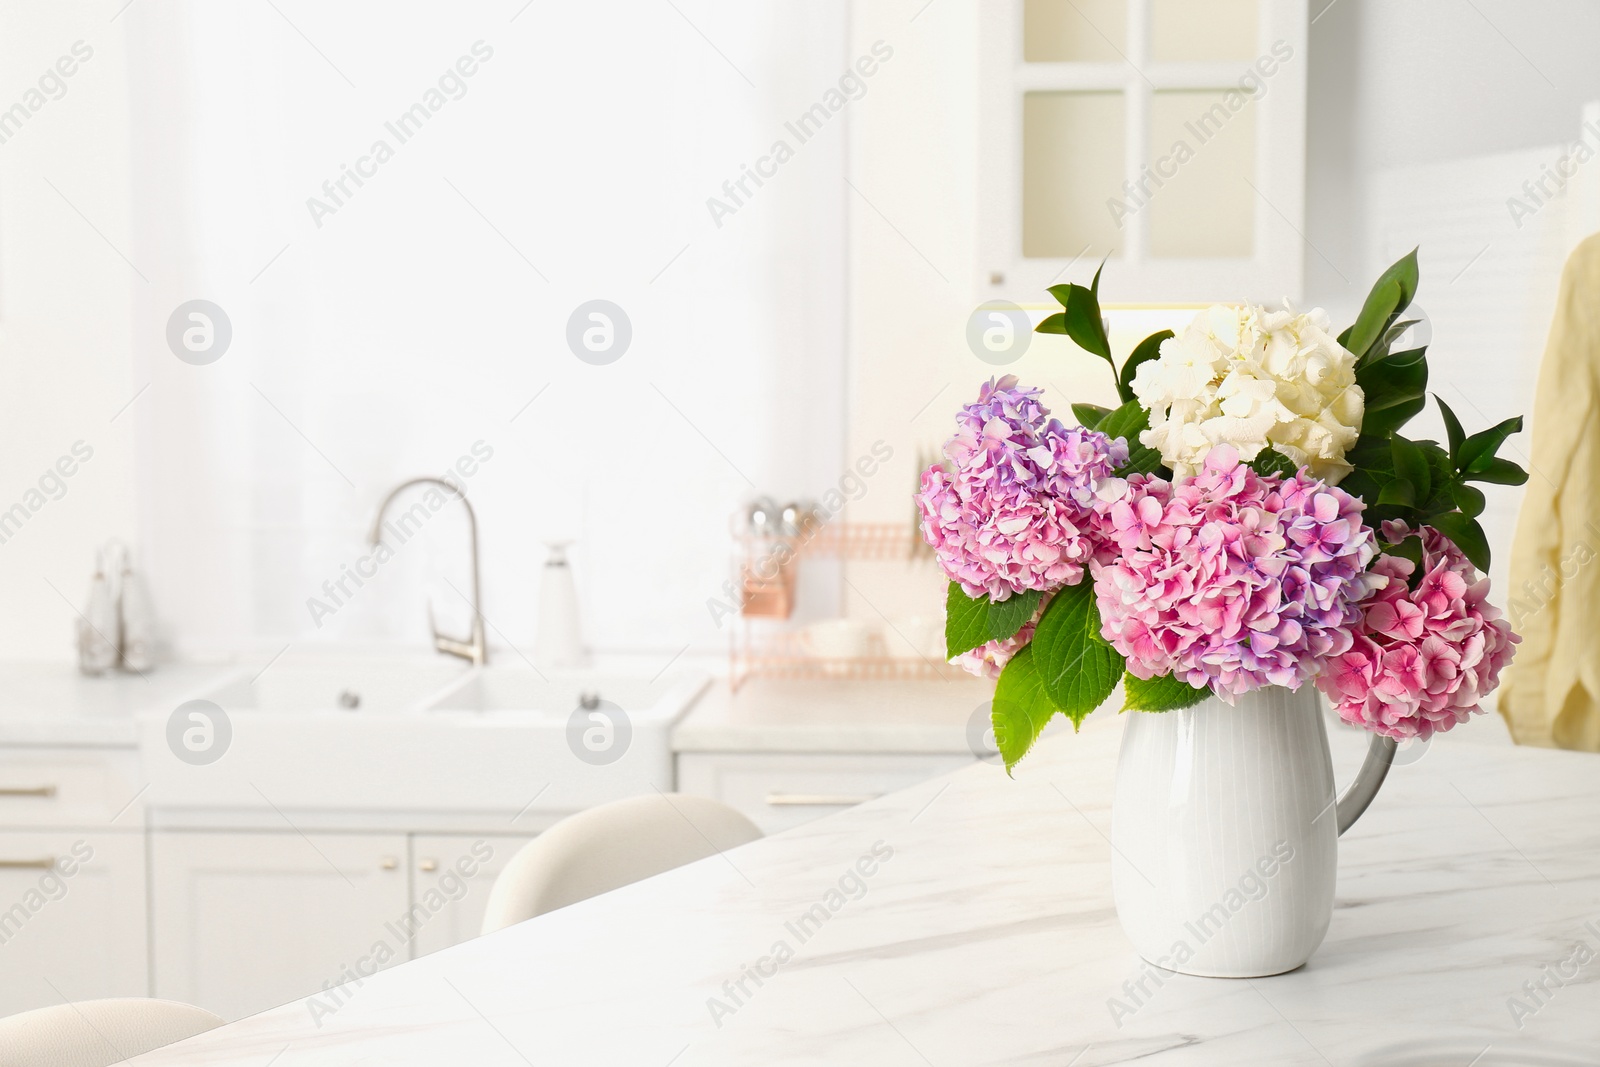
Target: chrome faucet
474, 649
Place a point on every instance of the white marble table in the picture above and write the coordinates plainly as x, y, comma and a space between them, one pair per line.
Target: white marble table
989, 937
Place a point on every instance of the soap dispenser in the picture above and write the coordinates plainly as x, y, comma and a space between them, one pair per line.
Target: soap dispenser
560, 641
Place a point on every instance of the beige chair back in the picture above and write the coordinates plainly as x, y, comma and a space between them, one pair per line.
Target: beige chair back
610, 846
97, 1033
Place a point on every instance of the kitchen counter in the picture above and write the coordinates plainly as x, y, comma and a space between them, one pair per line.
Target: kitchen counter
834, 715
969, 920
53, 704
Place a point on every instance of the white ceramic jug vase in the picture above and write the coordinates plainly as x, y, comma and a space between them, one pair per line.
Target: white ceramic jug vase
1225, 832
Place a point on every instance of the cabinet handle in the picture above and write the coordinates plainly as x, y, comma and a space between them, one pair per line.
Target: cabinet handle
818, 800
429, 865
28, 865
388, 863
27, 791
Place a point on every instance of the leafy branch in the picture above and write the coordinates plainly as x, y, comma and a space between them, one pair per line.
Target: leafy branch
1081, 320
1417, 481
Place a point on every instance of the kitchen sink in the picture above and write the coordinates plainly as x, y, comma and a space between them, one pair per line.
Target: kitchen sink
418, 734
523, 691
358, 684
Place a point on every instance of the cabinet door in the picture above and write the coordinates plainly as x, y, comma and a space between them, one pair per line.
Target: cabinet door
450, 885
72, 918
246, 921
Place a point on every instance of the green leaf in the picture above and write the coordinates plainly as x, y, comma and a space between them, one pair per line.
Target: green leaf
1395, 331
1391, 294
1467, 535
1479, 449
1089, 415
966, 621
1452, 428
1008, 616
1471, 501
1373, 461
1168, 693
1081, 320
1128, 422
1021, 708
1271, 461
1395, 389
1148, 349
1442, 472
973, 621
1056, 323
1078, 668
1499, 472
1398, 491
1411, 465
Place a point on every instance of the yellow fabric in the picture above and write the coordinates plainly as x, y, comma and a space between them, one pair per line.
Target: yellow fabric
1551, 693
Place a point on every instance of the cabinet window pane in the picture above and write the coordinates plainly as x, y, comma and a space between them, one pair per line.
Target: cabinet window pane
1072, 146
1061, 31
1202, 30
1202, 150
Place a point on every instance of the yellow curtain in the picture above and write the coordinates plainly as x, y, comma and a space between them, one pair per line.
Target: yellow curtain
1551, 693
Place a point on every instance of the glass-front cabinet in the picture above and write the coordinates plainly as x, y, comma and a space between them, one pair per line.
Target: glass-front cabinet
1165, 135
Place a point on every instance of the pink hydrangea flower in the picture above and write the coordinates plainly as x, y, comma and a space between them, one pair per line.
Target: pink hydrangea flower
1017, 507
1233, 579
1421, 658
988, 660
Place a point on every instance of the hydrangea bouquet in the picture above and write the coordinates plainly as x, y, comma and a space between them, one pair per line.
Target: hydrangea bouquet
1249, 516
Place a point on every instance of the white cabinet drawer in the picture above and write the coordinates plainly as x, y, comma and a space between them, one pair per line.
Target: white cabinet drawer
72, 917
66, 788
780, 790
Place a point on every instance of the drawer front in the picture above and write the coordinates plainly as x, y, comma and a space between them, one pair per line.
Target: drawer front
73, 924
780, 790
66, 789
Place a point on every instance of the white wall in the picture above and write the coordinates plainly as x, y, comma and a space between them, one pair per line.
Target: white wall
914, 157
1426, 118
1428, 81
65, 299
429, 310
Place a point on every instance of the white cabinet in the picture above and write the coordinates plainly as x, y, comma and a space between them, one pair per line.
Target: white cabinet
777, 790
72, 917
53, 788
452, 877
244, 921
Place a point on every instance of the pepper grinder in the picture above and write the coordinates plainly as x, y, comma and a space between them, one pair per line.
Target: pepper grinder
98, 625
137, 620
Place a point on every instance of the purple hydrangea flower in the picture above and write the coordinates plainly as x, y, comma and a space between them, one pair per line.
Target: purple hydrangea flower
1018, 506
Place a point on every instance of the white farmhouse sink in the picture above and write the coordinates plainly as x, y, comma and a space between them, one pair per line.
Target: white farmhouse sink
425, 735
370, 684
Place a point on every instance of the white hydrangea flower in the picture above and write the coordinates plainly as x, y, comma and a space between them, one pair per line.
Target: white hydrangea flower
1252, 378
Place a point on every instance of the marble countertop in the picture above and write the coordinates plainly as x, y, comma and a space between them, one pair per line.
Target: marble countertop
968, 920
834, 715
53, 704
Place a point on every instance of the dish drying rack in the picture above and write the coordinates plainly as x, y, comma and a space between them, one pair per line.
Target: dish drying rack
765, 570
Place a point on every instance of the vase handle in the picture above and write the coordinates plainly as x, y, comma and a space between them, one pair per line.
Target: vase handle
1380, 754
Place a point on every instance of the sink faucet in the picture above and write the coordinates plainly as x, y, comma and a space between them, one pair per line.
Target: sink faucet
474, 649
